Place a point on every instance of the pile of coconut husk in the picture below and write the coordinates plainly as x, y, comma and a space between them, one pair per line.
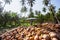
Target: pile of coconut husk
44, 31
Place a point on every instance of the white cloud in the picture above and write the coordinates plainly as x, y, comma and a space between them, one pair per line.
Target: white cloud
14, 6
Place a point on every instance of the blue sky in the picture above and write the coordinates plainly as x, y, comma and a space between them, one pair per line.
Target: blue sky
15, 6
56, 3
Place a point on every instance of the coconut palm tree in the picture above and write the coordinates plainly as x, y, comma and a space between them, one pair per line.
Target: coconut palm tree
46, 2
6, 2
51, 8
31, 2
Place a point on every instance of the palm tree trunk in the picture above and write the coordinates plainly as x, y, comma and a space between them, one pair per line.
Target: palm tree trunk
57, 19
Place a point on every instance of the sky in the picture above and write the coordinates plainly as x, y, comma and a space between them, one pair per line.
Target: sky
15, 6
56, 3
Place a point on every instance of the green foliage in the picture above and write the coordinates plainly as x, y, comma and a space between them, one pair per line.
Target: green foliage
48, 17
31, 15
31, 2
59, 10
8, 19
58, 14
40, 18
11, 19
44, 9
51, 9
23, 9
46, 2
23, 2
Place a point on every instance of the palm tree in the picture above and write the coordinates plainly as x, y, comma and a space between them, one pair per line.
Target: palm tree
31, 2
59, 10
37, 12
23, 2
31, 15
6, 2
44, 9
51, 9
24, 8
46, 2
58, 14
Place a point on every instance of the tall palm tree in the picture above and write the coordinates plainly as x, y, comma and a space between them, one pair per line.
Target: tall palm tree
24, 8
23, 2
6, 2
44, 9
46, 2
31, 2
58, 14
51, 9
31, 15
59, 10
37, 12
